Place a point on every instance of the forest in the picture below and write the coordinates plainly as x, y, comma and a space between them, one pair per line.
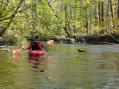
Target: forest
95, 20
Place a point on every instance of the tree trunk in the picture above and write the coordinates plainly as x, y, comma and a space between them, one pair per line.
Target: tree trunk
95, 14
118, 10
65, 29
110, 8
102, 12
67, 25
34, 15
99, 13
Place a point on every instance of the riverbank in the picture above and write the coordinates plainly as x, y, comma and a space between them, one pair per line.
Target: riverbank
102, 39
92, 39
89, 39
6, 41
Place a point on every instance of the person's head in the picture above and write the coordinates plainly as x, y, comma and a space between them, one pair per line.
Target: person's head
31, 38
37, 38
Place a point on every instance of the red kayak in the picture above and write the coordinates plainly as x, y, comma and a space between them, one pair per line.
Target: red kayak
35, 53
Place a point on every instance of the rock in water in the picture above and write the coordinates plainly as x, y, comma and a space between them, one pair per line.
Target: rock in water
79, 50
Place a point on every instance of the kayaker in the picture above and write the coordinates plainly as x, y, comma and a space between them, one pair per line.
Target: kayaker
35, 44
36, 49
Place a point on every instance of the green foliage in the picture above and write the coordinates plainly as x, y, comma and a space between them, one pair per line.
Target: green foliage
47, 19
42, 36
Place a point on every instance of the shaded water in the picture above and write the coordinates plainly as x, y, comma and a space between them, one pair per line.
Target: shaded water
63, 68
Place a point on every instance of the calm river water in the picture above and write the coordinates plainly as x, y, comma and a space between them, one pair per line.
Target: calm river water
63, 68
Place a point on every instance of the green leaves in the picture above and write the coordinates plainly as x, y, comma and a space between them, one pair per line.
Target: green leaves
50, 18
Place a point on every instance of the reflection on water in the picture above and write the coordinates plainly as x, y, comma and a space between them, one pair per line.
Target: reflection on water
63, 68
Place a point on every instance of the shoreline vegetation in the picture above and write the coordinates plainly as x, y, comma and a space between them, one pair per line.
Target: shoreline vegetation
88, 39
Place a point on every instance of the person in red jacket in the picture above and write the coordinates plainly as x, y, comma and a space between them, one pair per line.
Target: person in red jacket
36, 49
35, 44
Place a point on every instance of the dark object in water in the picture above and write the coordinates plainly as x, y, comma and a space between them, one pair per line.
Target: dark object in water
79, 50
41, 70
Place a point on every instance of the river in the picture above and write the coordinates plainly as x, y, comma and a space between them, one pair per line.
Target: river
63, 68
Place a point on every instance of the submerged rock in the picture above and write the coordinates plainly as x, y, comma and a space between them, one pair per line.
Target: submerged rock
79, 50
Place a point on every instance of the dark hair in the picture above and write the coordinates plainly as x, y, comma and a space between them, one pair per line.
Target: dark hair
31, 38
37, 38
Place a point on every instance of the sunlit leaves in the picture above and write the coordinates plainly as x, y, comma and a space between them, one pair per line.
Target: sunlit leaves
50, 16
